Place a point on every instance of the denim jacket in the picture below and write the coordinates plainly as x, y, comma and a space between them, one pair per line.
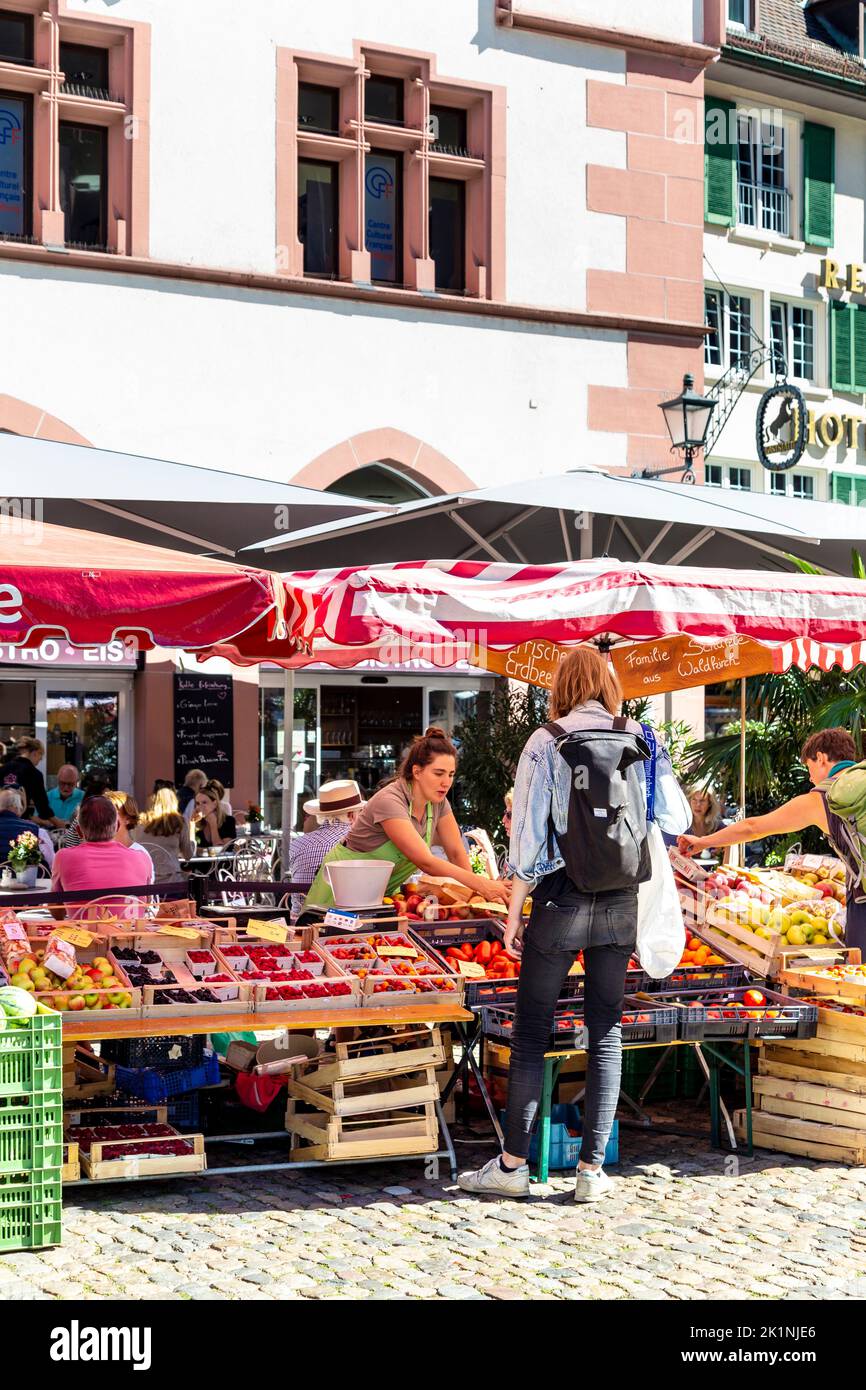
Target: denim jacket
543, 783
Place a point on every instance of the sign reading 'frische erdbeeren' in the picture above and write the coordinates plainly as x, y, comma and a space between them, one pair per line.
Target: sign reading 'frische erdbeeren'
203, 726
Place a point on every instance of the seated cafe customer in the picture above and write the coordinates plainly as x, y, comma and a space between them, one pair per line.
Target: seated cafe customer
67, 796
213, 828
164, 833
98, 862
12, 822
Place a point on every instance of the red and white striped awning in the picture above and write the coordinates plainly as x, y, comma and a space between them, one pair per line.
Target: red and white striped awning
440, 611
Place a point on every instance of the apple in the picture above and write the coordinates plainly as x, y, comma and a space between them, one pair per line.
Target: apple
60, 1002
92, 1001
26, 965
76, 1003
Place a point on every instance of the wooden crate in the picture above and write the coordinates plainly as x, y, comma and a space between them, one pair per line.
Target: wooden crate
809, 1138
71, 1169
369, 1097
335, 1138
116, 1114
369, 1057
816, 982
95, 1166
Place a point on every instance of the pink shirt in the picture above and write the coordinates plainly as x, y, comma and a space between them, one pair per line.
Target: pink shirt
98, 864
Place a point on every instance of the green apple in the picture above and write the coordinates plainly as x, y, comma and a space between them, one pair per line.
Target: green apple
796, 935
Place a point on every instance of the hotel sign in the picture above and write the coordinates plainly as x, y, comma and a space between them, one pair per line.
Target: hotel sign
781, 427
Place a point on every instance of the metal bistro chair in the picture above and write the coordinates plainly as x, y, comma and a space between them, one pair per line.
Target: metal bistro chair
251, 863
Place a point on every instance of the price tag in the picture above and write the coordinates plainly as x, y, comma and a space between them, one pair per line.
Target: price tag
384, 951
471, 969
186, 933
346, 921
268, 931
13, 931
74, 935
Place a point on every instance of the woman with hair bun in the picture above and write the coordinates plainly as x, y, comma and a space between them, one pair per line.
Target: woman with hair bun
402, 821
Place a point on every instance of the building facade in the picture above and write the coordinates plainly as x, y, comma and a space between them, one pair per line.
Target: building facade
784, 238
358, 244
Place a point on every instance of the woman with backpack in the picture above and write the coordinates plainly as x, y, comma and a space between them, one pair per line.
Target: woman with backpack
579, 845
833, 803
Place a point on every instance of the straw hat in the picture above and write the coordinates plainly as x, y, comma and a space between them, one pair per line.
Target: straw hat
334, 798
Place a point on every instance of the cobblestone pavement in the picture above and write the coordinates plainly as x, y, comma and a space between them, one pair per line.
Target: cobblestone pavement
684, 1223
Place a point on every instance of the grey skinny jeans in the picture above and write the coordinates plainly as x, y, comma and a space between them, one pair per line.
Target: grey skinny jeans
604, 927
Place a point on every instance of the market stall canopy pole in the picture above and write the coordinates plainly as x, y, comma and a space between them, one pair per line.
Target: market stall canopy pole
90, 589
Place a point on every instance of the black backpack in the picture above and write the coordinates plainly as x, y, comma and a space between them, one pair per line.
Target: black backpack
605, 844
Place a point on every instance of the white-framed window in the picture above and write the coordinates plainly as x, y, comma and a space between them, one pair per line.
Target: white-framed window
792, 340
801, 486
763, 196
731, 475
740, 14
729, 317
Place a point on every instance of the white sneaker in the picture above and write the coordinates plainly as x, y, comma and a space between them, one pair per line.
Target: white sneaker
591, 1184
494, 1181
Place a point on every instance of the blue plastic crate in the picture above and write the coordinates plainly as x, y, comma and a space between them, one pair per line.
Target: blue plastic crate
183, 1112
564, 1149
156, 1085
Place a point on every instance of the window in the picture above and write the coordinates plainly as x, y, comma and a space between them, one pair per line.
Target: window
16, 37
383, 100
318, 108
792, 340
849, 488
15, 166
85, 70
414, 205
448, 233
318, 200
729, 317
83, 152
738, 13
763, 199
384, 215
728, 475
797, 485
448, 128
713, 347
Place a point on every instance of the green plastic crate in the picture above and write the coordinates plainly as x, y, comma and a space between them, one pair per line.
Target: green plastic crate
31, 1055
639, 1062
30, 1210
31, 1133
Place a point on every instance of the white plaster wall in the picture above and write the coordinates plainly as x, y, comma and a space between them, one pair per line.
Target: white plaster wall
264, 383
670, 19
213, 129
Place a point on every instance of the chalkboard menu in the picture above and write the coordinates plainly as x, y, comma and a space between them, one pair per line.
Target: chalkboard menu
204, 726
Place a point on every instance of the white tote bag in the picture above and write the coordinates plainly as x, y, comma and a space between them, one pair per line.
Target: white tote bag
661, 936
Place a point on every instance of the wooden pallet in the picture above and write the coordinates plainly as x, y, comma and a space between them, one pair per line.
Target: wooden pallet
810, 1098
334, 1138
387, 1053
370, 1097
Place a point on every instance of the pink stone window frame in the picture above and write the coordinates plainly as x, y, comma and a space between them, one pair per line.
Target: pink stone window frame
126, 117
483, 172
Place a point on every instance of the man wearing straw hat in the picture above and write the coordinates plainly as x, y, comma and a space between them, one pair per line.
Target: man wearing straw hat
335, 808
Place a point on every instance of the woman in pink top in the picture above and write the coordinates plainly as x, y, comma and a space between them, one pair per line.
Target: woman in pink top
99, 862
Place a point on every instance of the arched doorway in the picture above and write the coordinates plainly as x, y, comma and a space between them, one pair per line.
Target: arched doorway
415, 463
379, 482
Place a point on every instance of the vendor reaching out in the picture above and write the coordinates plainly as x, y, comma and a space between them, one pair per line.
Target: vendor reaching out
405, 819
826, 754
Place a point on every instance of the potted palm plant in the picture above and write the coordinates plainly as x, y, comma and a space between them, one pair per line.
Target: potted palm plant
24, 856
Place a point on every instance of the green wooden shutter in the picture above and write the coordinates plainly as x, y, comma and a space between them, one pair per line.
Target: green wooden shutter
858, 315
841, 346
819, 183
719, 163
849, 488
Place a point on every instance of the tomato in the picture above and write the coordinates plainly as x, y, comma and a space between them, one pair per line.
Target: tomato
455, 953
496, 948
483, 952
753, 997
